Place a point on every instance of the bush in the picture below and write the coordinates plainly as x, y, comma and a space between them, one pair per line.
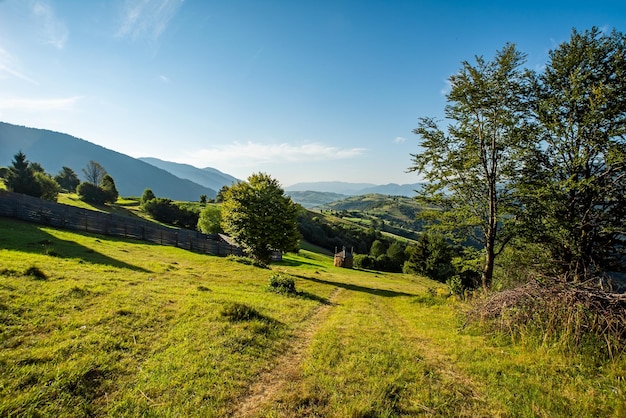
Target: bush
363, 261
90, 193
166, 211
282, 283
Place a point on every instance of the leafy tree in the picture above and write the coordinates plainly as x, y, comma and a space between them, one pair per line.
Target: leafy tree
108, 186
397, 255
210, 220
94, 172
576, 179
219, 198
164, 210
67, 179
432, 257
203, 199
21, 178
378, 248
147, 195
89, 192
259, 216
469, 167
48, 188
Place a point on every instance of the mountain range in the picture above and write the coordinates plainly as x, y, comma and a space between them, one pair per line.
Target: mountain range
54, 150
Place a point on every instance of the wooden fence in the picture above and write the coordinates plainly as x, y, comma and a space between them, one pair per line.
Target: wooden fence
44, 212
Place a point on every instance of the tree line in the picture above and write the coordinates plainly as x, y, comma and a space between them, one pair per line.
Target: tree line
30, 178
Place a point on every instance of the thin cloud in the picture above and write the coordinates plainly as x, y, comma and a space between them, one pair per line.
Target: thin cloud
8, 69
33, 105
147, 18
399, 140
54, 30
254, 153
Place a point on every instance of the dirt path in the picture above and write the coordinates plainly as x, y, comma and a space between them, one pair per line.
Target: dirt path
287, 367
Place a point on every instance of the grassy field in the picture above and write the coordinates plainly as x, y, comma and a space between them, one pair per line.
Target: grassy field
94, 326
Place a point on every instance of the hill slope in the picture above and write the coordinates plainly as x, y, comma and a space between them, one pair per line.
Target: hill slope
53, 150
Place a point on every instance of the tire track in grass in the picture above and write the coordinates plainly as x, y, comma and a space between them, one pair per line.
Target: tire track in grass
286, 368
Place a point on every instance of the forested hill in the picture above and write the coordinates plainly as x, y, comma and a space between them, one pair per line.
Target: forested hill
54, 150
394, 214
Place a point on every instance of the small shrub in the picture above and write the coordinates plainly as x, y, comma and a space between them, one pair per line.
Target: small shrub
237, 312
282, 283
456, 286
35, 273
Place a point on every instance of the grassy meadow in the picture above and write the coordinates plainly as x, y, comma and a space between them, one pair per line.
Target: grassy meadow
95, 326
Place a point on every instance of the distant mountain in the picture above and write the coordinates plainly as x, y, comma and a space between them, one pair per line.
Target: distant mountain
355, 189
53, 150
311, 199
207, 177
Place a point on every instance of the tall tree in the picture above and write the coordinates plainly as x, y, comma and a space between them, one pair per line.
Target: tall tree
470, 167
259, 216
94, 172
210, 219
108, 186
67, 179
21, 177
576, 181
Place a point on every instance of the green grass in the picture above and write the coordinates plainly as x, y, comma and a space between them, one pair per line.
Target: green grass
124, 328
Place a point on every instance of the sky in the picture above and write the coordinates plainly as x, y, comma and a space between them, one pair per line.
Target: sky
304, 90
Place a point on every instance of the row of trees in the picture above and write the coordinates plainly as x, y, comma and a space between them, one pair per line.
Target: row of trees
536, 157
31, 179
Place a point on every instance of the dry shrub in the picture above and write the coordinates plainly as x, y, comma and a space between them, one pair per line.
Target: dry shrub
575, 317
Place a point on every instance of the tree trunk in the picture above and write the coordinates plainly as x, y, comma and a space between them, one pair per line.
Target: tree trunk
488, 269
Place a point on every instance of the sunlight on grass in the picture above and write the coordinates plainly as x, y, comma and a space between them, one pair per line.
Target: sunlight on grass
125, 328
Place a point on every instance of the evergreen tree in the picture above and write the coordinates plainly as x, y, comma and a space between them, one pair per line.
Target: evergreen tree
67, 179
21, 177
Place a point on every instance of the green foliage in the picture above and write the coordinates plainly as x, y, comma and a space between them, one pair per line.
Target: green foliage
432, 257
67, 179
21, 177
48, 188
108, 186
210, 220
147, 195
574, 183
282, 283
91, 193
378, 248
166, 211
259, 217
466, 166
364, 261
330, 233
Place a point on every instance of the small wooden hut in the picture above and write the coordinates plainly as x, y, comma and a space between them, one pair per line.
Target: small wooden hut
343, 258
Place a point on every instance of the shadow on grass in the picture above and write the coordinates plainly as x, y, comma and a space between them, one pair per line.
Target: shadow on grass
27, 237
357, 288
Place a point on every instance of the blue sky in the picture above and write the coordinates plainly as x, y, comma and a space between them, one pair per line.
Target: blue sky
302, 90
